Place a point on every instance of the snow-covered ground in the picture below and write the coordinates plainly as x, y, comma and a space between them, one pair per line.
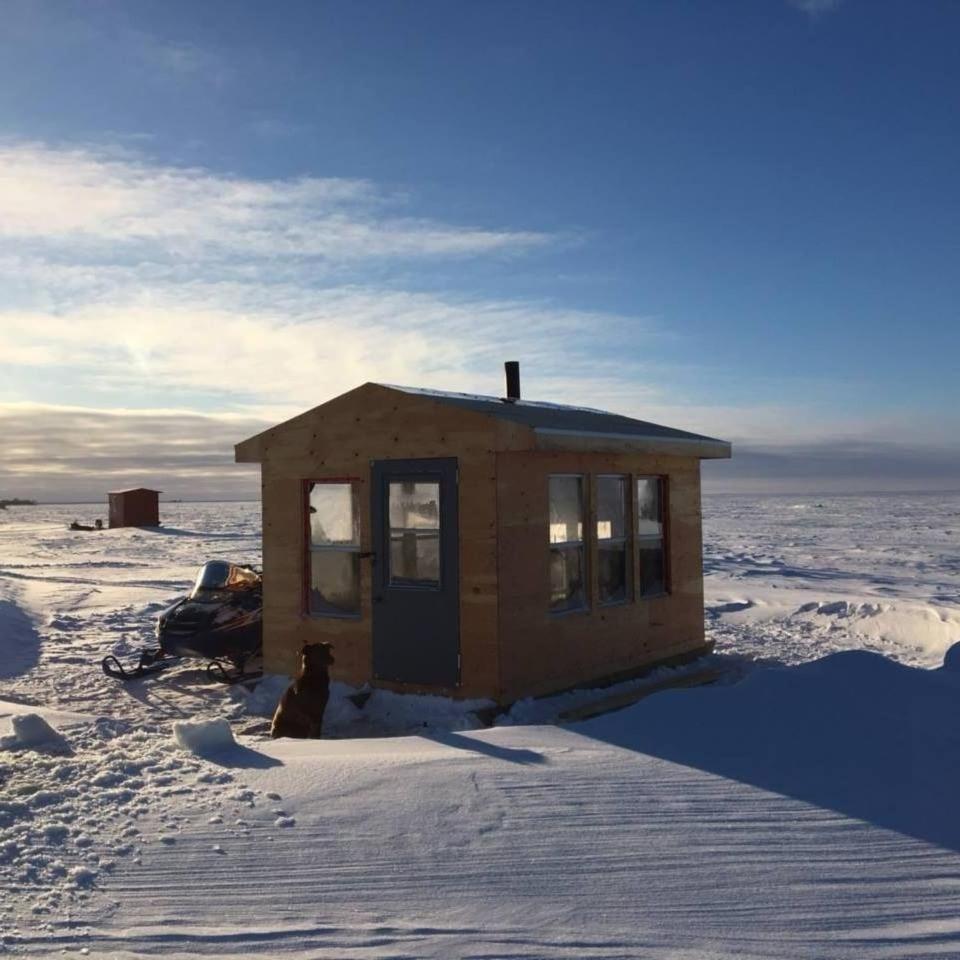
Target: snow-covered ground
805, 811
795, 578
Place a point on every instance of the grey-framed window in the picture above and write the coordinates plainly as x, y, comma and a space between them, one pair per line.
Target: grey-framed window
651, 536
333, 548
568, 556
613, 539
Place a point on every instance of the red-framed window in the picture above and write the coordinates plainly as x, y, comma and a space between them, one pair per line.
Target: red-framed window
331, 547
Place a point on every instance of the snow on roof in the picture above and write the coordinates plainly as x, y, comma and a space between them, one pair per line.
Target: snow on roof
110, 493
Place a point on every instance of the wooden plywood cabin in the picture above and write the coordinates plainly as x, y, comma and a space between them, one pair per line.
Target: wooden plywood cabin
477, 546
137, 507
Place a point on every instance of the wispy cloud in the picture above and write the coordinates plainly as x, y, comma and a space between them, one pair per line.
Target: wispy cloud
94, 201
178, 58
107, 28
283, 348
816, 8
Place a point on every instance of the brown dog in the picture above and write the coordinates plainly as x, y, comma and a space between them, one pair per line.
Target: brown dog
300, 710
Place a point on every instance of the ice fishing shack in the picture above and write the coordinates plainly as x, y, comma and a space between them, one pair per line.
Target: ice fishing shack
479, 546
137, 507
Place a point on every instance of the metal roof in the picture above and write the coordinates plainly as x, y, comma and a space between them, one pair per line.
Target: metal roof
555, 418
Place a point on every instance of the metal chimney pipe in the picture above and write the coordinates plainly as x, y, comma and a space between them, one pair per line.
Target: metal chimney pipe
512, 369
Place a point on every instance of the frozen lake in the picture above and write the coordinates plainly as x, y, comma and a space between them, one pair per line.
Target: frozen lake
787, 579
804, 812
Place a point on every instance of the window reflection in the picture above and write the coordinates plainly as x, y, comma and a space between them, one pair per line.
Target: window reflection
414, 512
333, 548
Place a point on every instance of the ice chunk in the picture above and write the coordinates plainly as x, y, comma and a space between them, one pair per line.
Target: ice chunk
204, 737
32, 732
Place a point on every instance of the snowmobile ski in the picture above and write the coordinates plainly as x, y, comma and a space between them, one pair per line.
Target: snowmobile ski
150, 661
235, 673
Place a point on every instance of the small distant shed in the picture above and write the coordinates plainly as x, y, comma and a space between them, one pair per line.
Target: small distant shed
137, 507
479, 546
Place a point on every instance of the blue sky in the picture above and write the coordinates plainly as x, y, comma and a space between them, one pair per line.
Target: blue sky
739, 218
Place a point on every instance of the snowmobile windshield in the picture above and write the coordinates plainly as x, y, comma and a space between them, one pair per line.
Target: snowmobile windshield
218, 578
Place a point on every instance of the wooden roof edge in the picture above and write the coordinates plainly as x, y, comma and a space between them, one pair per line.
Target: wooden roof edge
251, 450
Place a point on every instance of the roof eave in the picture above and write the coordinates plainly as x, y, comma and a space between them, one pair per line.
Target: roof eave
248, 451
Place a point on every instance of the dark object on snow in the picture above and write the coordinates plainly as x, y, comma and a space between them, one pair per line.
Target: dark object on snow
138, 507
300, 711
97, 525
219, 620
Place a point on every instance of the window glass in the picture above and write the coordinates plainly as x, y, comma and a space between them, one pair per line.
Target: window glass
566, 509
414, 557
414, 507
611, 508
612, 573
567, 556
334, 517
566, 579
333, 550
334, 583
652, 578
649, 519
652, 553
612, 543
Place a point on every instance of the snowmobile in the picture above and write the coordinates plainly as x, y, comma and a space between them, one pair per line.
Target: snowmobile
219, 620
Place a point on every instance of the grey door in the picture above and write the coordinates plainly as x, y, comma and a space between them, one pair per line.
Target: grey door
416, 571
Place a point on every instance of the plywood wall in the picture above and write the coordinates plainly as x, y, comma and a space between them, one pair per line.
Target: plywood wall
375, 424
540, 651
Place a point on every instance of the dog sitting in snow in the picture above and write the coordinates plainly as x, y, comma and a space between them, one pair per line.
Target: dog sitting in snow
300, 710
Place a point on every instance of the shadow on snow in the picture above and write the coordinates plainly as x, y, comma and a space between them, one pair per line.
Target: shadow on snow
21, 641
459, 742
855, 733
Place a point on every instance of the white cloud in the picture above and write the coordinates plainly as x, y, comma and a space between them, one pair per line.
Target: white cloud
285, 348
95, 203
